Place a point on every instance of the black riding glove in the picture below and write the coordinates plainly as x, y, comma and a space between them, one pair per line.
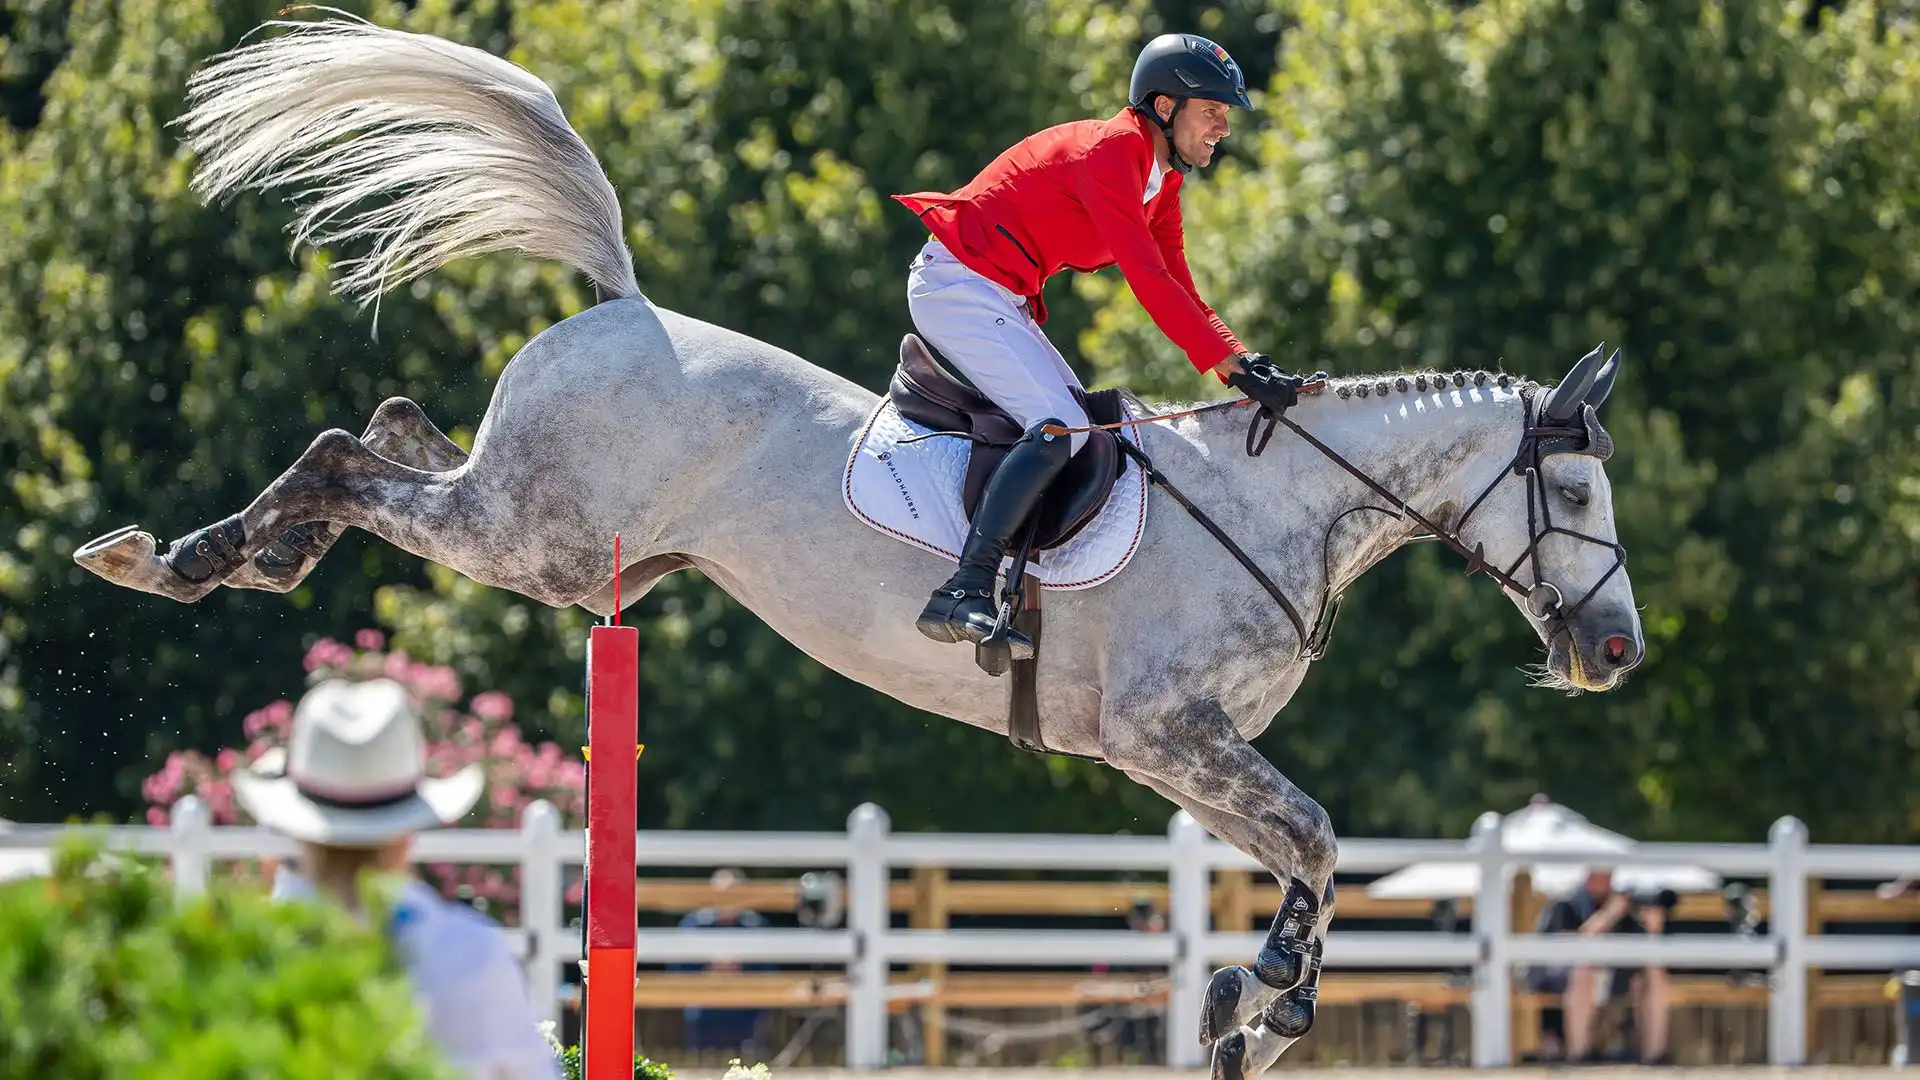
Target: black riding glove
1275, 390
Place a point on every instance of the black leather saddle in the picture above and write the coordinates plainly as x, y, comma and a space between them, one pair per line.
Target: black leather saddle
928, 394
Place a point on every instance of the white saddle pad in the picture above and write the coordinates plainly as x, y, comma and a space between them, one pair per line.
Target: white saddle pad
912, 492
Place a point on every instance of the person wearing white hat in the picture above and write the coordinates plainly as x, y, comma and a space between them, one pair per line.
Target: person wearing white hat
353, 792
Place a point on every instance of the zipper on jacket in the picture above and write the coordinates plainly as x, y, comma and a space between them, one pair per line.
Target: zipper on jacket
1023, 251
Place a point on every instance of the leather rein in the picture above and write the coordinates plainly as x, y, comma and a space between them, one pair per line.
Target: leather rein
1542, 599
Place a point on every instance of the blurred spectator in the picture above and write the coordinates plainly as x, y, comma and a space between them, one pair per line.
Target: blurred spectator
819, 900
353, 794
1142, 1032
1903, 989
1599, 909
729, 1030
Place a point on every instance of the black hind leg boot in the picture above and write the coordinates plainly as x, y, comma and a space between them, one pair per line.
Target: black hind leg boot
963, 609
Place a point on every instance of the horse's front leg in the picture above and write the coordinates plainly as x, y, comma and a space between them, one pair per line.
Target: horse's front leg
1200, 761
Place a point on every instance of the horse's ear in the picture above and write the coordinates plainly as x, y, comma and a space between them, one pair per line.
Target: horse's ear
1565, 400
1596, 443
1604, 381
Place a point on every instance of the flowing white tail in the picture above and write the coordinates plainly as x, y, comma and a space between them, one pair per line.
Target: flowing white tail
431, 149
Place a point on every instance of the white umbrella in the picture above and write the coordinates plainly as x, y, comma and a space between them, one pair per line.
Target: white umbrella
1539, 828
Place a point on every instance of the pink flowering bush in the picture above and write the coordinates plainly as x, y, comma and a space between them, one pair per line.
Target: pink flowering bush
516, 773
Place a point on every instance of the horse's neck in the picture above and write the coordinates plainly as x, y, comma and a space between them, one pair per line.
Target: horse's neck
1434, 449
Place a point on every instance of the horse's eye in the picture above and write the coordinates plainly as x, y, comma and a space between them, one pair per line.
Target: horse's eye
1577, 494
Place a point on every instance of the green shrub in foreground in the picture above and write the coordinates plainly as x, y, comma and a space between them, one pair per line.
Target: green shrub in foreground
573, 1067
103, 976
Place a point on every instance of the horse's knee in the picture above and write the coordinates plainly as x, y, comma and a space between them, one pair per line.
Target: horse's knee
1311, 829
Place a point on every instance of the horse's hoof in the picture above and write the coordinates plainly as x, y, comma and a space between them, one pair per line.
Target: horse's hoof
1225, 1004
1230, 1058
126, 557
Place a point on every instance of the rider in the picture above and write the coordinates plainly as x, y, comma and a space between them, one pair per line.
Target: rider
1082, 196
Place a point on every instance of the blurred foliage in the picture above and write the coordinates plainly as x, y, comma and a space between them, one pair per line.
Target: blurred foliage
105, 976
1727, 191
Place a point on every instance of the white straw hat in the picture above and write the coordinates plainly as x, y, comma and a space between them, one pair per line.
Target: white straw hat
355, 771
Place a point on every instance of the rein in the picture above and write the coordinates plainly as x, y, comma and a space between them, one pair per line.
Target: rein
1543, 600
1313, 387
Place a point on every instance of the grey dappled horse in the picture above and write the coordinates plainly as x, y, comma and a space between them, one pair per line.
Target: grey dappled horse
704, 448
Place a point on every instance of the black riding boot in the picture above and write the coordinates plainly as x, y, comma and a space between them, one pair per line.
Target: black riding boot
964, 608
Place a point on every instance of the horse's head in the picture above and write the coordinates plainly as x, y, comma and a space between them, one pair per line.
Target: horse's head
1545, 529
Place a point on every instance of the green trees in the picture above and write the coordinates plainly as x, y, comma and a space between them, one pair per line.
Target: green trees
1723, 190
159, 362
1504, 185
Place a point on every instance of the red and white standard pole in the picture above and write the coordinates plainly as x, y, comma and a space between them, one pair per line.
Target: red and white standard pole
613, 725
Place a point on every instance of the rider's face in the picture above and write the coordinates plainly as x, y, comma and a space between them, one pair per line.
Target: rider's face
1197, 127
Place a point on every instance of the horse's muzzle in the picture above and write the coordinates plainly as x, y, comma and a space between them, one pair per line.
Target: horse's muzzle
1594, 660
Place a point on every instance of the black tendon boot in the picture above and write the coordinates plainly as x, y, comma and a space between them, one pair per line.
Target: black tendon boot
1286, 1021
1286, 961
964, 608
1291, 1014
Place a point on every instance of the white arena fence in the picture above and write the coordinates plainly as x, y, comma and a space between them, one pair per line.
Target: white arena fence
868, 852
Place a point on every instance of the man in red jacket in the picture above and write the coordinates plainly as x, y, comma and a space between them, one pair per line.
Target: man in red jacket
1079, 196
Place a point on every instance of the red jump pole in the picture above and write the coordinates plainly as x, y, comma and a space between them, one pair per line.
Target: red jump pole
613, 725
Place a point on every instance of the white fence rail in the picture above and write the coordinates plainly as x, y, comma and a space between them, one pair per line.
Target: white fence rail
868, 853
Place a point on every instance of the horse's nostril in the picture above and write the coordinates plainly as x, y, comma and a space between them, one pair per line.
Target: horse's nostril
1619, 648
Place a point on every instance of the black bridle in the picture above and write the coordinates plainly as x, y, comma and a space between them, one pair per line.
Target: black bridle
1580, 433
1543, 599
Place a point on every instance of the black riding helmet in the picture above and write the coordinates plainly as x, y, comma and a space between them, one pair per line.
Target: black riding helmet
1183, 66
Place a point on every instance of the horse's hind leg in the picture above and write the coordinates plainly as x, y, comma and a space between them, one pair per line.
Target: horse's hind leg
399, 431
446, 517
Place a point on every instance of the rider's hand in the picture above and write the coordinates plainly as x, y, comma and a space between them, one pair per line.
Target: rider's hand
1257, 378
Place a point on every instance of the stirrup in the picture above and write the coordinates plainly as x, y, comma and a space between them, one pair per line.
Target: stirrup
1004, 644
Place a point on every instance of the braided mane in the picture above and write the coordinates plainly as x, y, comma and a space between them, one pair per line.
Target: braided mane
1420, 382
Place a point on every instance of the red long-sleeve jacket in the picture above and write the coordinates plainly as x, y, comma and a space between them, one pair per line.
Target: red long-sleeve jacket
1070, 198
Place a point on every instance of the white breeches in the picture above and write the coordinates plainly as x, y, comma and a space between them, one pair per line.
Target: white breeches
984, 329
